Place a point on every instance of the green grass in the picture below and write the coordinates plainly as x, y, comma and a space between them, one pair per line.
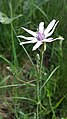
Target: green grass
18, 74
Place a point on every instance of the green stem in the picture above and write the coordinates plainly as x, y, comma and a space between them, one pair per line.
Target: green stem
38, 99
54, 116
39, 82
37, 113
41, 63
12, 38
38, 88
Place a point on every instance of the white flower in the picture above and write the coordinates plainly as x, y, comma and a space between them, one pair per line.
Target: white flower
42, 35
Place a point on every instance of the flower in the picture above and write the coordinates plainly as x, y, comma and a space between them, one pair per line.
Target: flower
42, 35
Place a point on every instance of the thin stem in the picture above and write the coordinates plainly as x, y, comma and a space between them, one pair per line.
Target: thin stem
41, 63
12, 37
38, 88
38, 97
39, 81
37, 112
54, 116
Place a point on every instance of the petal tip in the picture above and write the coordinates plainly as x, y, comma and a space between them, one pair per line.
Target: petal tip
20, 43
58, 21
41, 23
54, 20
61, 38
33, 49
22, 27
17, 36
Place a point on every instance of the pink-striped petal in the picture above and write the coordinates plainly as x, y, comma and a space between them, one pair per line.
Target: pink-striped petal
41, 27
50, 26
51, 39
27, 42
51, 32
30, 32
47, 40
37, 45
27, 38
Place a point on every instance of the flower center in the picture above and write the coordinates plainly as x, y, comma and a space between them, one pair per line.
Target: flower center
40, 36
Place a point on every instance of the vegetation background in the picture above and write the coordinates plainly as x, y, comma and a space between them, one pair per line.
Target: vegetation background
17, 76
